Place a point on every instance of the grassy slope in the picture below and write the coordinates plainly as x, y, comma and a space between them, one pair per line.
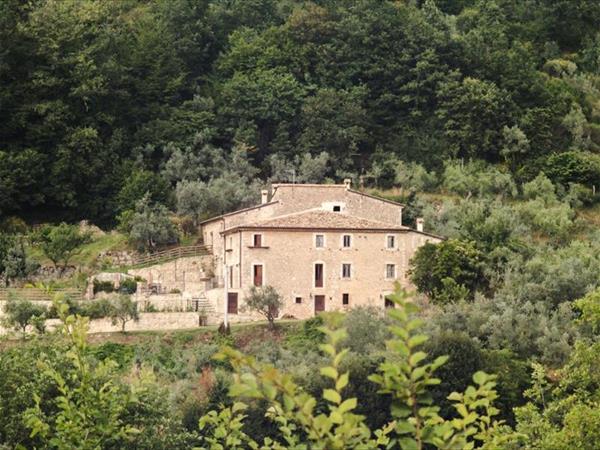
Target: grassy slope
242, 335
88, 255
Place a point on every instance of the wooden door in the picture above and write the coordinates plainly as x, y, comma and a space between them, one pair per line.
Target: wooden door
318, 275
258, 275
319, 303
232, 303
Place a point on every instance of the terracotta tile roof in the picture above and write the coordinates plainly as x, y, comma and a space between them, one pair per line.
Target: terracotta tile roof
320, 219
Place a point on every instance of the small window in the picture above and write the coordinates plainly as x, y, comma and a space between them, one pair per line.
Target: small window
337, 208
390, 271
319, 240
345, 299
391, 242
257, 240
347, 241
389, 303
346, 270
298, 300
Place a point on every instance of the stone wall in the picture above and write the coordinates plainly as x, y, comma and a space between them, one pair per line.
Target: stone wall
163, 302
48, 273
186, 275
149, 322
116, 258
292, 198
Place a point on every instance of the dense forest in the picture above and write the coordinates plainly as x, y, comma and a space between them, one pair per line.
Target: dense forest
102, 101
146, 116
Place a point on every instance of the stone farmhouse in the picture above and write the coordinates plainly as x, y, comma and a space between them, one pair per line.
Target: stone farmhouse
322, 247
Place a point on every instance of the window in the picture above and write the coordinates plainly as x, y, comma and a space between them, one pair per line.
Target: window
346, 270
346, 241
390, 271
389, 303
257, 274
298, 300
337, 208
391, 241
257, 240
345, 299
318, 275
319, 240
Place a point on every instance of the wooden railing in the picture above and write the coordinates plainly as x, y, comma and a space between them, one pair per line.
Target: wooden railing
38, 295
171, 254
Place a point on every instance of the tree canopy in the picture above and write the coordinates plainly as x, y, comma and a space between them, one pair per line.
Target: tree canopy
104, 101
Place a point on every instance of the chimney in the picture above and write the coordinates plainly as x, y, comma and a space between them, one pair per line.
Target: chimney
420, 223
264, 196
347, 182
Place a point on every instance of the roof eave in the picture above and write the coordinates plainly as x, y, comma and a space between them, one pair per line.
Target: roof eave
313, 229
250, 208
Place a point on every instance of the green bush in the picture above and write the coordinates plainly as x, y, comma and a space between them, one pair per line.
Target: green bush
464, 358
514, 378
20, 381
309, 336
122, 354
573, 167
368, 329
450, 267
96, 309
128, 286
529, 330
477, 178
103, 286
71, 304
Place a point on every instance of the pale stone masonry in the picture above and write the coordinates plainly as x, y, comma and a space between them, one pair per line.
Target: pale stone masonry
323, 247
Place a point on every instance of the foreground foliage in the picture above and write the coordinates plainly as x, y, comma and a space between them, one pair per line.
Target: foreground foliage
405, 376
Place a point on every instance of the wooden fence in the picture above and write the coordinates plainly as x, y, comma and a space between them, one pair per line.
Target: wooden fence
171, 254
38, 295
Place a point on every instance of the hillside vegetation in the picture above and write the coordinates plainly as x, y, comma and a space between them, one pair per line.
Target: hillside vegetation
146, 116
198, 102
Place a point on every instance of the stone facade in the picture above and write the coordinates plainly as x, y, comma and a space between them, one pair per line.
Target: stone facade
363, 249
288, 259
187, 276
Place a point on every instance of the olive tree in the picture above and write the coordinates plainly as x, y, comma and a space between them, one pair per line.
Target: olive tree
61, 242
193, 199
20, 313
149, 226
124, 310
266, 301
